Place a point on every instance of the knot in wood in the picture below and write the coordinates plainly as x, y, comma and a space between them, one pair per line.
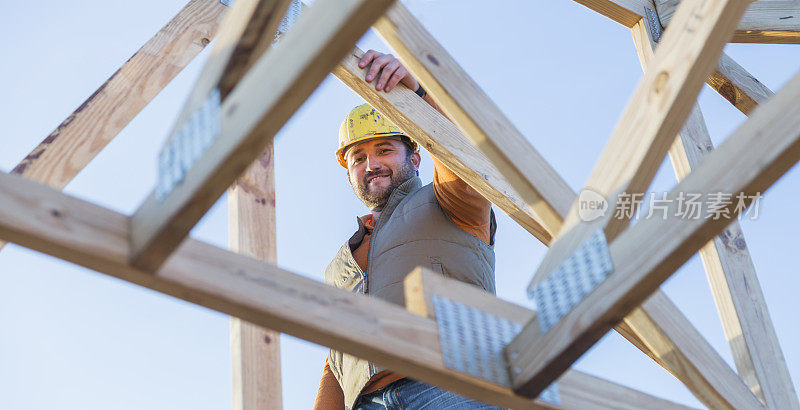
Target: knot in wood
660, 83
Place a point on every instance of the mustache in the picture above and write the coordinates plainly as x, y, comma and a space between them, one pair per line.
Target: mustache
368, 175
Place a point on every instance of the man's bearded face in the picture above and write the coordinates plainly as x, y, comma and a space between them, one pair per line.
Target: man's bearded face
376, 167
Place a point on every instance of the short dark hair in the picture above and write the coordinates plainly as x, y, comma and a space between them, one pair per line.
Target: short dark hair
409, 145
409, 149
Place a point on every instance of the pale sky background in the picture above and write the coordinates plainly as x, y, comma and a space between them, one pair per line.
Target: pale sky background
71, 338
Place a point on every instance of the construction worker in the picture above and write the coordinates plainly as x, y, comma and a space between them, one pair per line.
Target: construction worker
445, 226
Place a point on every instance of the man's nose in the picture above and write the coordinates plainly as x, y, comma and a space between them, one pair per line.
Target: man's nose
372, 163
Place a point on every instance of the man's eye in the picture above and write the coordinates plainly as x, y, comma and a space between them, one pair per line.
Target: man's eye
385, 150
357, 160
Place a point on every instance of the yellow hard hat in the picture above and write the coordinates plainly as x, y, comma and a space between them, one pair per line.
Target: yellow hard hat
365, 123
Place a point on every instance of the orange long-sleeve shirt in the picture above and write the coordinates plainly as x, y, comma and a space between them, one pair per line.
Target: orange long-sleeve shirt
467, 209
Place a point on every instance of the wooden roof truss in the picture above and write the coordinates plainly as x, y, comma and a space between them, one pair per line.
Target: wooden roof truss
257, 88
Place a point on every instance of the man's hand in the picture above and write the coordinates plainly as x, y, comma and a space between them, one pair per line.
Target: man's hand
388, 70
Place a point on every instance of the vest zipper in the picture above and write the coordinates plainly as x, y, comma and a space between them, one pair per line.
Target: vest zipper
373, 235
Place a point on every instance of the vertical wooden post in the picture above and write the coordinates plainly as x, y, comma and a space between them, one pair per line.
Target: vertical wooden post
255, 350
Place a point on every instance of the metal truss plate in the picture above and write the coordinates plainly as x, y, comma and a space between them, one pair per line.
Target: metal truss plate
654, 24
575, 278
289, 19
188, 144
473, 341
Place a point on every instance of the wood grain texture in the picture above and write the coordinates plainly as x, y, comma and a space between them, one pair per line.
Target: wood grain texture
277, 84
625, 12
478, 118
80, 137
737, 85
255, 351
765, 21
654, 115
433, 131
245, 34
746, 319
258, 35
579, 390
731, 273
80, 232
762, 149
698, 366
248, 31
729, 79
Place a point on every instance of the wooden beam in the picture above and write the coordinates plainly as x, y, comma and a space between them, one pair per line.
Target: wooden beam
731, 272
712, 383
255, 350
676, 345
464, 150
653, 117
643, 256
82, 135
765, 21
95, 237
256, 353
478, 118
404, 108
252, 113
247, 32
625, 12
737, 85
441, 138
729, 79
420, 286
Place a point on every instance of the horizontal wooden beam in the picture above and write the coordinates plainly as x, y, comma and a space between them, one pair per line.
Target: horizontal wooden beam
729, 78
251, 115
95, 237
82, 135
731, 272
420, 286
765, 21
474, 113
643, 256
625, 12
440, 137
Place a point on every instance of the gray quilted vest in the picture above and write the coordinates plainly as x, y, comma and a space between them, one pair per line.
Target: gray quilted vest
411, 231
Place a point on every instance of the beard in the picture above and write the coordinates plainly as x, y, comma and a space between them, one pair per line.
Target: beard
376, 197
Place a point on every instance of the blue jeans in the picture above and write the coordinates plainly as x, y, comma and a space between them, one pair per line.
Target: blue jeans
407, 394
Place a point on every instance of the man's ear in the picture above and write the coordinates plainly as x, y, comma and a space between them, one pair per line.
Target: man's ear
416, 159
348, 178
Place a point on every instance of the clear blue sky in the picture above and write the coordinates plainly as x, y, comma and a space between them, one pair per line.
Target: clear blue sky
76, 339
